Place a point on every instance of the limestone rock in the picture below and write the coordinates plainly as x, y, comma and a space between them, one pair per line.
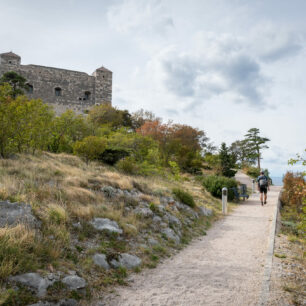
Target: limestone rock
127, 261
144, 212
174, 221
157, 219
171, 235
34, 281
13, 213
74, 282
204, 211
103, 224
100, 260
152, 242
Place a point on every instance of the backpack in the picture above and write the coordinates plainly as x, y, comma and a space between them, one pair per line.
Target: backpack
263, 182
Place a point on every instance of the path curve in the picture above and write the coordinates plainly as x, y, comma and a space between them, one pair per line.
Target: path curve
226, 267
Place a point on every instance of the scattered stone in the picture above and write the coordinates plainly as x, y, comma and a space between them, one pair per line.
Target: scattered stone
109, 191
34, 281
152, 242
204, 211
157, 219
100, 260
171, 235
166, 200
127, 261
74, 282
13, 213
174, 221
103, 224
143, 212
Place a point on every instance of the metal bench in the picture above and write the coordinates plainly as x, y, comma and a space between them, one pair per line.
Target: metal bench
240, 192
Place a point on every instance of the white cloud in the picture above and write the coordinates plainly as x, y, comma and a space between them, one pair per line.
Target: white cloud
271, 43
217, 68
140, 16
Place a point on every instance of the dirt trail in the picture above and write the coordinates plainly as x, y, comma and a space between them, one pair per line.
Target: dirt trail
226, 267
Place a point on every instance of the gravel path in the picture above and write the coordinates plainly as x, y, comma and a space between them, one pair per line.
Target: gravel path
226, 267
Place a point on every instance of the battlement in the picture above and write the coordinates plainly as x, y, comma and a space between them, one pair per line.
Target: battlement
63, 89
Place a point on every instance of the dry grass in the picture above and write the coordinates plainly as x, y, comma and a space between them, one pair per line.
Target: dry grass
62, 189
13, 242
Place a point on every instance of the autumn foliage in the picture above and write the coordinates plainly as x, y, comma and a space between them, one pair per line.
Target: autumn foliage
294, 193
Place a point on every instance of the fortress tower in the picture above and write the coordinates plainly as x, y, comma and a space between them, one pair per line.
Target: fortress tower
61, 88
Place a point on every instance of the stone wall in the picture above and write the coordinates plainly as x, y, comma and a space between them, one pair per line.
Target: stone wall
63, 89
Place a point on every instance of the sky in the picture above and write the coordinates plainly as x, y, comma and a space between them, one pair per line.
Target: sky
221, 66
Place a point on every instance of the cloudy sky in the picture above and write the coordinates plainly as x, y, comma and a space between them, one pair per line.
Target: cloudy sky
222, 66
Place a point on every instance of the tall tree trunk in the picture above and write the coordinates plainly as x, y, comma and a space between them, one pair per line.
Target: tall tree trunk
258, 159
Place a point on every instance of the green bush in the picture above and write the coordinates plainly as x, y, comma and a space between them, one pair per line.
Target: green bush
253, 172
90, 148
127, 165
214, 185
184, 197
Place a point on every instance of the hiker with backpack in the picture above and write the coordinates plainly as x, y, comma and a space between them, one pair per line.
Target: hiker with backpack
263, 187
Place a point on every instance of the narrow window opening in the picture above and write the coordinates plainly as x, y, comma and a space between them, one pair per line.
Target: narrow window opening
87, 95
58, 91
10, 62
29, 88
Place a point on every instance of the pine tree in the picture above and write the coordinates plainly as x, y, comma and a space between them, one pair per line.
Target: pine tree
255, 144
227, 161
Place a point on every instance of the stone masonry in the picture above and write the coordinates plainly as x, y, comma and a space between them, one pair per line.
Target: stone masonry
63, 89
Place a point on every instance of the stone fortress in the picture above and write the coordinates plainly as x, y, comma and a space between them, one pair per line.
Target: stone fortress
63, 89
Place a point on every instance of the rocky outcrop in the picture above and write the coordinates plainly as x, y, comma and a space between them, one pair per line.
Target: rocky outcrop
171, 235
127, 261
100, 260
103, 224
12, 214
204, 211
33, 281
74, 282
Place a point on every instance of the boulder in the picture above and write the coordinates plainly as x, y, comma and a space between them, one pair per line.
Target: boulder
34, 281
143, 212
103, 224
13, 213
171, 235
127, 261
74, 282
152, 241
174, 221
157, 219
204, 211
100, 260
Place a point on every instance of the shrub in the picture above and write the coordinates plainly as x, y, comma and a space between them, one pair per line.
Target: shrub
127, 165
214, 185
184, 197
90, 148
253, 172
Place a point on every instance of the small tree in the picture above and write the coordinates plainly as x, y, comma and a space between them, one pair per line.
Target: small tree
226, 161
255, 144
16, 81
90, 148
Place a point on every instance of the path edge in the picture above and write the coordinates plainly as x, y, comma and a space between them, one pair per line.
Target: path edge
265, 289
